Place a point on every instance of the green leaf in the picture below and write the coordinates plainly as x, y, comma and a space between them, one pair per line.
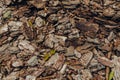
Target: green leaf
48, 55
52, 52
7, 15
111, 75
30, 23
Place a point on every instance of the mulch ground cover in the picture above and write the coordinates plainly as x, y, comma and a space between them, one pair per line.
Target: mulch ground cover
59, 39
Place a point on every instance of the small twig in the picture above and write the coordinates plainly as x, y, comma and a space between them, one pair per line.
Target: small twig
105, 21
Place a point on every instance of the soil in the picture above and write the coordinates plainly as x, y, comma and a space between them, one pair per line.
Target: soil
59, 40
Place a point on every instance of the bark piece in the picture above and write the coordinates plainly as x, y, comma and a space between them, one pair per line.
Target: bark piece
33, 61
24, 44
3, 29
86, 74
59, 63
70, 51
86, 58
38, 4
